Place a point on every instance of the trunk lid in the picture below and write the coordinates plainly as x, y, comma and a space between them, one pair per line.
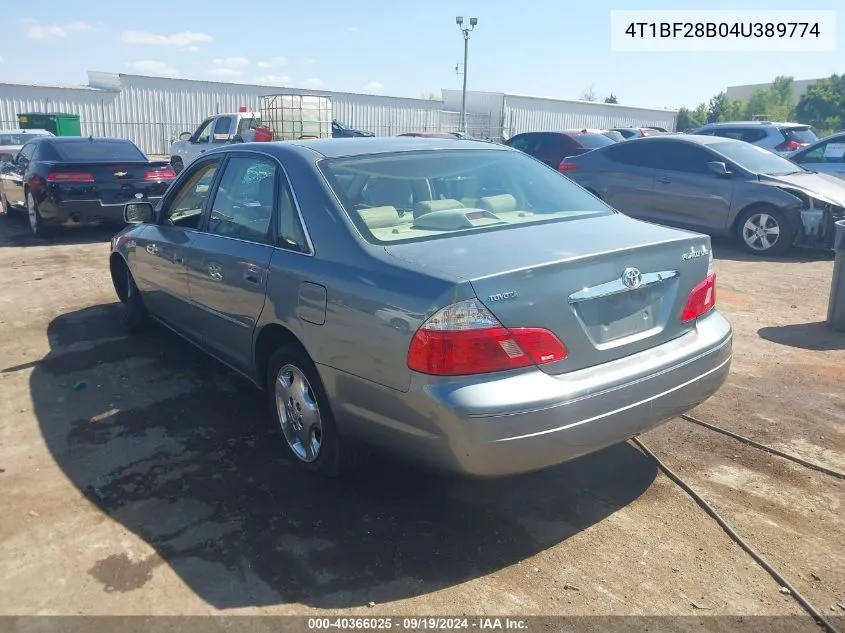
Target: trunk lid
568, 277
115, 182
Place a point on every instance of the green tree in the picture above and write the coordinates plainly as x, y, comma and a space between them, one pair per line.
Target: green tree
823, 105
717, 108
611, 99
700, 114
687, 121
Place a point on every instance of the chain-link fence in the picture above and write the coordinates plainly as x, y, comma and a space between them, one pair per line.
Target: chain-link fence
156, 138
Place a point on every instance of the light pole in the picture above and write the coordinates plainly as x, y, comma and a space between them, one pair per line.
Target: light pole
460, 22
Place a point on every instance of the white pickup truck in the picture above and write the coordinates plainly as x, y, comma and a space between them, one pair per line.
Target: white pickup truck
282, 117
216, 130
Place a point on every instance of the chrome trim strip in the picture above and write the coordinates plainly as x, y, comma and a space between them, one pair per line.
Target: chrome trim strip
617, 287
620, 409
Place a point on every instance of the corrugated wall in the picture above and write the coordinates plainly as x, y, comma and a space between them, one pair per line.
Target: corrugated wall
153, 111
530, 114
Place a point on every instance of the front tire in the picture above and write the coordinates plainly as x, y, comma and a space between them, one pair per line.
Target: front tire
764, 230
133, 314
302, 414
36, 222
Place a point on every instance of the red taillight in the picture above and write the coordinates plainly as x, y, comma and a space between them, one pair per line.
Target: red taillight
789, 146
160, 174
701, 300
564, 167
69, 176
465, 338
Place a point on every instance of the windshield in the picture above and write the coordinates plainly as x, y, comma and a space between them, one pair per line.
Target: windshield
756, 159
341, 125
99, 150
614, 135
16, 139
422, 195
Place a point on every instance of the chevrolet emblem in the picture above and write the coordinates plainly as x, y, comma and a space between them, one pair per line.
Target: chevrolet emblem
120, 174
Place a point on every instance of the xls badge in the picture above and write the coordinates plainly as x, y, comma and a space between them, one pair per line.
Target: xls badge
695, 253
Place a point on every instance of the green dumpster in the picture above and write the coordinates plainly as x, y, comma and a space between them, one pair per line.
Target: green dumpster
59, 123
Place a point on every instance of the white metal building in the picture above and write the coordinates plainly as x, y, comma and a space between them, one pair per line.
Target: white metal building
514, 114
153, 111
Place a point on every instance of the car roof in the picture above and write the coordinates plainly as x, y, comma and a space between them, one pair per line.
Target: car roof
362, 146
82, 139
34, 132
758, 123
684, 138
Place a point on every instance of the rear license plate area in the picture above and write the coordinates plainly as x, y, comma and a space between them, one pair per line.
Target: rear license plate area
619, 316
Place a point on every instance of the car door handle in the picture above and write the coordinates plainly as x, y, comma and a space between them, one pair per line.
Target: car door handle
178, 259
253, 274
664, 180
152, 249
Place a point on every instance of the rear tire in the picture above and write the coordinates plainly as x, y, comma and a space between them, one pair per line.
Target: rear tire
302, 414
36, 222
764, 230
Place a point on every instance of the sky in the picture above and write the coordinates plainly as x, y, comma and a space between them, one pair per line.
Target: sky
541, 48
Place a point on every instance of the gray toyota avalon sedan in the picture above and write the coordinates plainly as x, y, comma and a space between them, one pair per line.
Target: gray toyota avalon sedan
452, 302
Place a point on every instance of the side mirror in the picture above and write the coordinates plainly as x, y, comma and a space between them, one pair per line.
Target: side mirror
719, 168
138, 213
237, 138
185, 136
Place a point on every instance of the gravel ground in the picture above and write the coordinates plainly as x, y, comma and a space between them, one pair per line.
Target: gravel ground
139, 477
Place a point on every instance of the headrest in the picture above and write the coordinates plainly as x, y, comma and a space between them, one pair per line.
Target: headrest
380, 217
427, 206
498, 204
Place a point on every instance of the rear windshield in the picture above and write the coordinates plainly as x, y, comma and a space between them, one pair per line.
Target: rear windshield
755, 159
614, 135
593, 140
799, 134
17, 139
86, 150
425, 195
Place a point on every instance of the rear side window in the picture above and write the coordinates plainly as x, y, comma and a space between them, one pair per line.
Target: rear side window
85, 150
749, 135
635, 153
804, 135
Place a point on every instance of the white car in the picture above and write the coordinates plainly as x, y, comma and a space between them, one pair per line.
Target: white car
780, 138
11, 141
826, 156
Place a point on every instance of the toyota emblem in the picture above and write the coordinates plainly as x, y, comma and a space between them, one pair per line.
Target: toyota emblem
632, 278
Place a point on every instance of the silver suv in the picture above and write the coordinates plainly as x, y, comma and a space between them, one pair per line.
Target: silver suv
781, 138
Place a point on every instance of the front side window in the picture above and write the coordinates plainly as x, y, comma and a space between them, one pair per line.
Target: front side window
683, 157
832, 151
429, 195
185, 207
244, 201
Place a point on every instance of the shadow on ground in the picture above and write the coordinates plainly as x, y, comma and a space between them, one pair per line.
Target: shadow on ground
178, 450
812, 336
14, 231
724, 248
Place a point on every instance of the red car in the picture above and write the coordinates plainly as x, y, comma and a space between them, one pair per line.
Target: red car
553, 147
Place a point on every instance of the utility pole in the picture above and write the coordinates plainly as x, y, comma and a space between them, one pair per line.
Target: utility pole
466, 31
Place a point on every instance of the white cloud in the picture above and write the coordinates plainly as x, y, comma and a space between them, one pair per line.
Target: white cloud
160, 69
2, 60
78, 26
226, 73
314, 82
45, 32
353, 29
184, 38
230, 62
273, 62
375, 86
274, 80
191, 49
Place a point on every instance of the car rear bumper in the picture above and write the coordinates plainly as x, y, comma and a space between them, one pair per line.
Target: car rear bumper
76, 212
530, 420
